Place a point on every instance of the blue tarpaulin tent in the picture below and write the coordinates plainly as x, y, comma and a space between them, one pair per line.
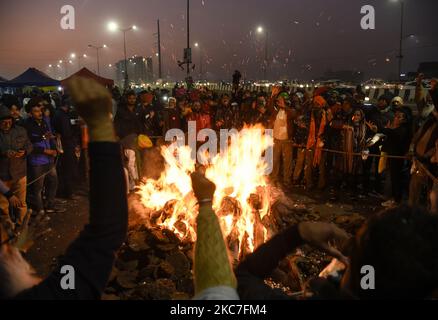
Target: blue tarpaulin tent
31, 77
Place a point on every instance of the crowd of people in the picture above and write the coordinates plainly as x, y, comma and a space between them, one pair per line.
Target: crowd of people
39, 160
329, 139
400, 243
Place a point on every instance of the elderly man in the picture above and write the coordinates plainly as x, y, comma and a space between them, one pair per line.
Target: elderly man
14, 147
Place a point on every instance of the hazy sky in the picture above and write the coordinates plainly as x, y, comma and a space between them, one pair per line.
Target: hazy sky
306, 37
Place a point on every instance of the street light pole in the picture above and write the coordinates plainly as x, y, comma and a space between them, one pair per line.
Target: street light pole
159, 51
113, 27
188, 39
126, 61
97, 48
200, 59
266, 56
261, 30
400, 61
200, 63
80, 64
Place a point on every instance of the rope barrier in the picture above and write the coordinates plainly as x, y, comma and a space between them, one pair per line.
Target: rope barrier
356, 154
41, 176
44, 174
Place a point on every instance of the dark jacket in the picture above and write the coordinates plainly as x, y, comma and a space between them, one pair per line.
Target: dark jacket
301, 130
171, 119
38, 136
16, 139
397, 141
63, 127
92, 254
126, 122
149, 118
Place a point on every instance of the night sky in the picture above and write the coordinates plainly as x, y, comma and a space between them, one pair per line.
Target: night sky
306, 37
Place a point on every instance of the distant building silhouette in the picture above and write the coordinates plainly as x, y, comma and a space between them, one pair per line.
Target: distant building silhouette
140, 70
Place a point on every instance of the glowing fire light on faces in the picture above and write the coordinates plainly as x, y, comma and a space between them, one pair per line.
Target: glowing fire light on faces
238, 172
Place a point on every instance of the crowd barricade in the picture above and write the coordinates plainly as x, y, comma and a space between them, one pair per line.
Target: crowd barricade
407, 93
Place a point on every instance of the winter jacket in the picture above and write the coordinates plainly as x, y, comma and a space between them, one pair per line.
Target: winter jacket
127, 122
62, 126
149, 118
38, 133
14, 140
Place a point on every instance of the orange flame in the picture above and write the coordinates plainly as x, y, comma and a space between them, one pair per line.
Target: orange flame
238, 172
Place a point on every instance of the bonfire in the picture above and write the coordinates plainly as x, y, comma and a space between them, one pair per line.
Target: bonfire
242, 200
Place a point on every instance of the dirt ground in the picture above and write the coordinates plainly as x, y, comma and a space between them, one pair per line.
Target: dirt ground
53, 235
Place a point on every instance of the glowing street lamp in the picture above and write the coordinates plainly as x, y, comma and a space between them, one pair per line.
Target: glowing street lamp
261, 30
97, 48
113, 27
200, 59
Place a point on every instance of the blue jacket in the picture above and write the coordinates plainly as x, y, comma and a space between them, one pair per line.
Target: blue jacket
38, 133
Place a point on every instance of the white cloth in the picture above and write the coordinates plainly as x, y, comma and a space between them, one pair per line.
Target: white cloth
131, 168
280, 126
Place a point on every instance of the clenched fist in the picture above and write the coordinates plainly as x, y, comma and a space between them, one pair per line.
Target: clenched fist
93, 103
203, 188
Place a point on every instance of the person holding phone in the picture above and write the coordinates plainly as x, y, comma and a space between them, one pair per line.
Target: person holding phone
14, 147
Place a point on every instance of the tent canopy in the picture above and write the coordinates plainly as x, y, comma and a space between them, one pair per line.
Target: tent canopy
85, 73
31, 77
